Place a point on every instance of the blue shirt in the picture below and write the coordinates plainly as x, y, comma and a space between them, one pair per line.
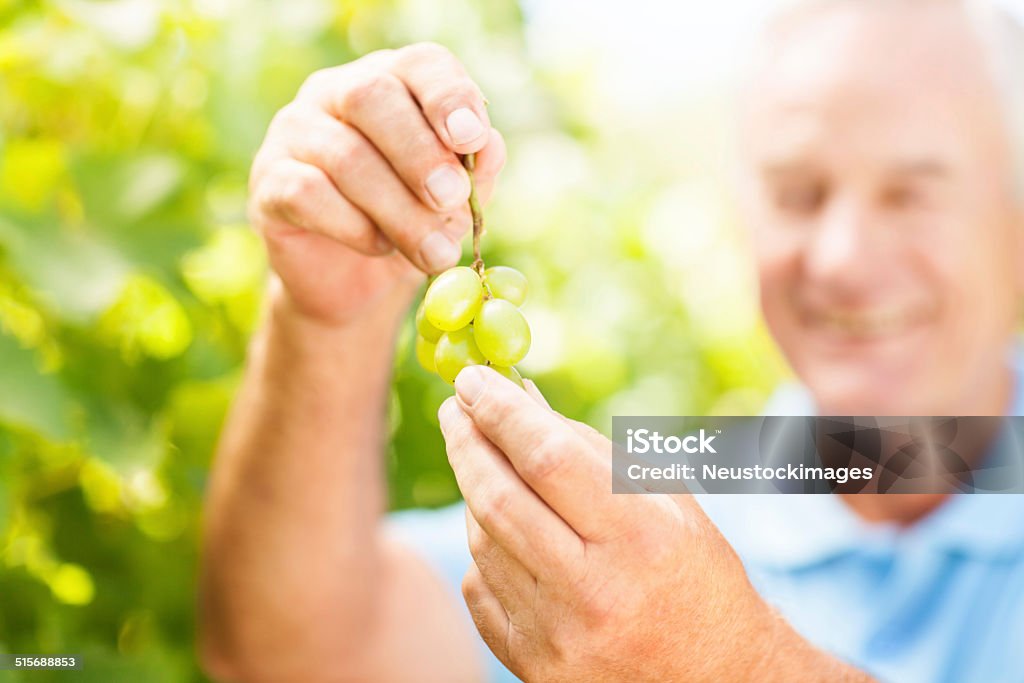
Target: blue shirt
940, 602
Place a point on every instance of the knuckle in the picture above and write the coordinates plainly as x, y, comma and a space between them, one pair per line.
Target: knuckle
548, 457
472, 585
561, 643
655, 549
496, 402
289, 189
332, 77
601, 609
287, 117
585, 429
426, 50
494, 505
366, 88
381, 58
256, 212
343, 152
334, 148
320, 79
297, 186
261, 164
479, 543
458, 437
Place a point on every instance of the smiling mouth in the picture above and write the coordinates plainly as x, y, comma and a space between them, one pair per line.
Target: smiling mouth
874, 324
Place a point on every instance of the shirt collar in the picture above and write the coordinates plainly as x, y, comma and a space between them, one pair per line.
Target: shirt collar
797, 531
793, 531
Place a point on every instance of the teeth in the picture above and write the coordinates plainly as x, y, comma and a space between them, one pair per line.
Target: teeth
871, 323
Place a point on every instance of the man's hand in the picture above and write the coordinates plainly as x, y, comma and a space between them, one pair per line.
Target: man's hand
572, 583
364, 162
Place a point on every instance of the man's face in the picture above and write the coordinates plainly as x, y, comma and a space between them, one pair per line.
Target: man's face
878, 185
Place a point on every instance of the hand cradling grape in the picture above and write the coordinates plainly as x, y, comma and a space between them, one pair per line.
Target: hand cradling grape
470, 315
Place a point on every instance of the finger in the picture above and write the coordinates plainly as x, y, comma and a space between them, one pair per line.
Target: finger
502, 504
450, 100
558, 463
383, 110
508, 579
532, 390
488, 615
599, 443
367, 180
489, 162
302, 196
588, 433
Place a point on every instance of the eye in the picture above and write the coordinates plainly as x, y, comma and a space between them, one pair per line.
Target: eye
902, 196
803, 198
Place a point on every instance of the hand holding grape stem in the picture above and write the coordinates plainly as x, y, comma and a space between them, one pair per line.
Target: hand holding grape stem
358, 188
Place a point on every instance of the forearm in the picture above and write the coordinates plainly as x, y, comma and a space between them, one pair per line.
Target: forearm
291, 553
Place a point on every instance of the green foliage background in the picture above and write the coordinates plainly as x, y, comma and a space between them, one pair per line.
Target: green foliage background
130, 283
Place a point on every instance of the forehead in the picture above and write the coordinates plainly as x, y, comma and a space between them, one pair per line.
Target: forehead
904, 77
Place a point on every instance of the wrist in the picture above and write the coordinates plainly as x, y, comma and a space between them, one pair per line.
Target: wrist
293, 343
283, 314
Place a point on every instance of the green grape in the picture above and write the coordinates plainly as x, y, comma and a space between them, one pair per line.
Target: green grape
453, 299
456, 350
425, 329
501, 332
509, 373
425, 353
506, 283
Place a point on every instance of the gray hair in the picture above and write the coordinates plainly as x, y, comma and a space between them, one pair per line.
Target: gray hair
1002, 37
1000, 30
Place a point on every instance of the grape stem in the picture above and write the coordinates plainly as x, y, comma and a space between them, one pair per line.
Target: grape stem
469, 163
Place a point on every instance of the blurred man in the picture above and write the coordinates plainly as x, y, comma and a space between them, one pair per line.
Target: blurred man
880, 180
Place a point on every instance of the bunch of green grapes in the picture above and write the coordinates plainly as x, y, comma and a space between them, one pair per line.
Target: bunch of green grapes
468, 319
470, 316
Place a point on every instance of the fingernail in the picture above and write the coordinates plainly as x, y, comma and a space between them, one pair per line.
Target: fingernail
464, 126
470, 384
438, 251
448, 187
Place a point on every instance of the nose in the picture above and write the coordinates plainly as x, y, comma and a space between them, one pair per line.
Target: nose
841, 254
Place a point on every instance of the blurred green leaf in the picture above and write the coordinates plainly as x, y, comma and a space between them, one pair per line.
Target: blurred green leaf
31, 399
146, 320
